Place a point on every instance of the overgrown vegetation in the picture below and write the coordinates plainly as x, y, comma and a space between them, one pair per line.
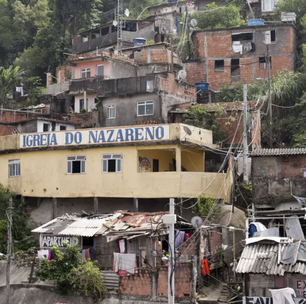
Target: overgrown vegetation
205, 207
22, 236
215, 16
71, 272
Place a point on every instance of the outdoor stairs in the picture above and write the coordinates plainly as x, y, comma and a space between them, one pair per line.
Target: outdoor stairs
225, 294
110, 279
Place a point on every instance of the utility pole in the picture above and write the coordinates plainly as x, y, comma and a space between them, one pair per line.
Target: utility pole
245, 134
9, 251
171, 256
270, 101
119, 26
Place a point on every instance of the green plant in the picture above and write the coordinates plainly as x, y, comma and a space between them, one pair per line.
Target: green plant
71, 273
87, 279
83, 110
205, 207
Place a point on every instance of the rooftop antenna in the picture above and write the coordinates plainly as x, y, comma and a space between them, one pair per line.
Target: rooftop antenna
119, 26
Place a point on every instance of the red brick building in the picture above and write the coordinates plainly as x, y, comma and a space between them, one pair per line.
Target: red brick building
226, 56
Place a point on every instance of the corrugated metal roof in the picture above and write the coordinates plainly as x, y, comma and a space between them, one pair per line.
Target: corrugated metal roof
117, 225
263, 258
278, 152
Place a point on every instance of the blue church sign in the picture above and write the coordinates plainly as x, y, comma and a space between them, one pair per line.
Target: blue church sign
92, 137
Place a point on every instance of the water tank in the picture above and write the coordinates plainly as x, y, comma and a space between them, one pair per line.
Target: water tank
202, 86
139, 41
172, 1
253, 22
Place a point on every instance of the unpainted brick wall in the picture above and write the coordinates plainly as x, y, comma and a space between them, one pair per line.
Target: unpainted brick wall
14, 116
182, 279
173, 87
140, 284
137, 284
6, 130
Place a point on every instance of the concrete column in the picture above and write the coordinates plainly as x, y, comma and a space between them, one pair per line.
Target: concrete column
54, 202
96, 205
38, 201
178, 158
135, 204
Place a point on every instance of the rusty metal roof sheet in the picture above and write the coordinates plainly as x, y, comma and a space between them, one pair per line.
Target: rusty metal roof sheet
263, 258
118, 224
278, 152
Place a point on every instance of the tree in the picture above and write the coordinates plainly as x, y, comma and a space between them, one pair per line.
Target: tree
214, 16
23, 239
70, 272
8, 79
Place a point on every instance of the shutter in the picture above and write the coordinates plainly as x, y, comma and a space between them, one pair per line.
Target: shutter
83, 166
118, 165
100, 70
69, 167
105, 165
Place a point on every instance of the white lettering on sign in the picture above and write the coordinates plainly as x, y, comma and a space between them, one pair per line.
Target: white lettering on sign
50, 240
263, 300
91, 137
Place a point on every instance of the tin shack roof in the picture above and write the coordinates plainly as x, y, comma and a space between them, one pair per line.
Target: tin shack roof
264, 258
120, 224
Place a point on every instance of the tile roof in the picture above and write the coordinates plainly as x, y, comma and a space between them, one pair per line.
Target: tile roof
278, 152
263, 258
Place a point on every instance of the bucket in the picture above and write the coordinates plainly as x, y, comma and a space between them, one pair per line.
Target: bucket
202, 86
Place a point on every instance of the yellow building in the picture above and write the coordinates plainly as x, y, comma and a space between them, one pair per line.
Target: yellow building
110, 168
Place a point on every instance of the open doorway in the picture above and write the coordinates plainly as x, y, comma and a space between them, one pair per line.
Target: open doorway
235, 70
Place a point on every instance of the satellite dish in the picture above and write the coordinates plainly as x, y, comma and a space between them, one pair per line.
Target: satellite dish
193, 22
182, 75
115, 23
127, 12
187, 130
196, 222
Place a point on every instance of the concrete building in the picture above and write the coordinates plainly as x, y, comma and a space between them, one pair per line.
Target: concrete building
105, 36
264, 9
99, 170
278, 178
228, 116
225, 56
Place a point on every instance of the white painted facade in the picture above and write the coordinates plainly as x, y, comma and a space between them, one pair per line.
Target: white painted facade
88, 106
43, 123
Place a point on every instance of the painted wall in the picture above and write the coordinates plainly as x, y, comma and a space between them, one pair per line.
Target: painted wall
126, 110
40, 126
193, 160
93, 67
165, 159
90, 104
44, 174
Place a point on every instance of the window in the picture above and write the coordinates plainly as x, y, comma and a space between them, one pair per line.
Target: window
270, 37
263, 63
45, 127
268, 5
14, 167
82, 106
111, 163
111, 111
242, 37
62, 128
85, 73
219, 65
145, 108
100, 70
76, 164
